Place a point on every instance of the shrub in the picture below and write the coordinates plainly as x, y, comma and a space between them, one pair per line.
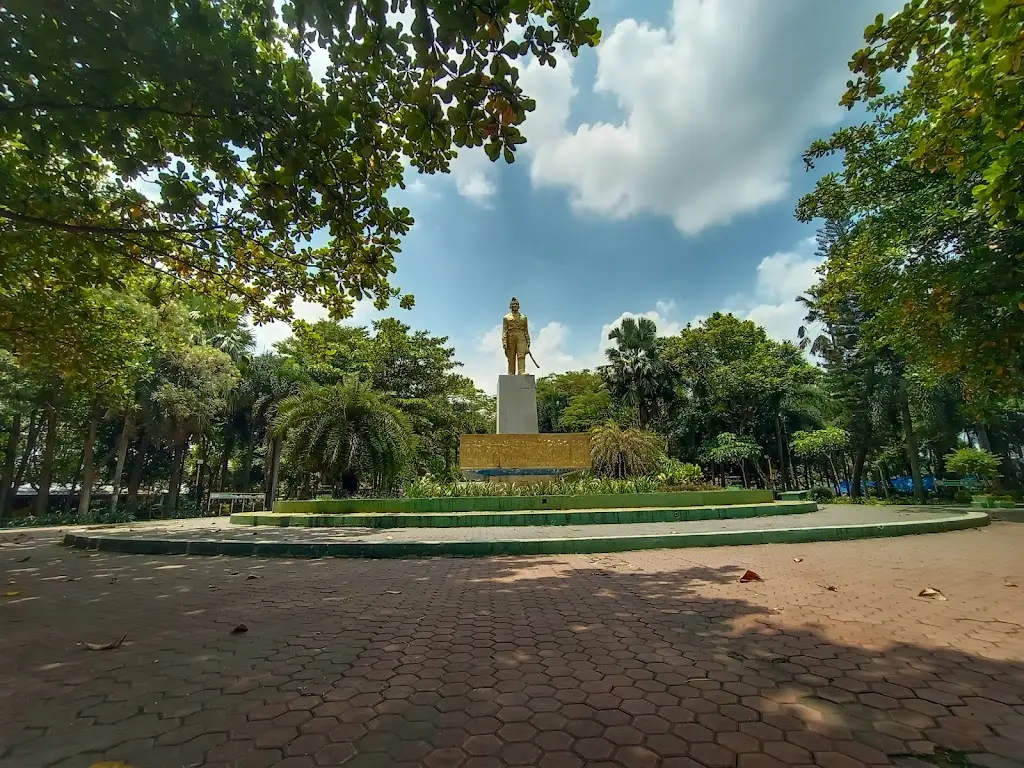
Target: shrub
974, 461
962, 496
673, 473
822, 495
620, 453
579, 486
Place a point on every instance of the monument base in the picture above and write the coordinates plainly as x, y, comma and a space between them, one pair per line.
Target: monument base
523, 458
517, 405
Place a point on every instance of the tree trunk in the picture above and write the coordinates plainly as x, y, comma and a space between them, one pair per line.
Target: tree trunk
910, 438
982, 432
229, 448
274, 460
122, 454
858, 471
743, 472
135, 478
242, 477
835, 475
46, 464
807, 474
31, 439
88, 468
779, 443
1008, 473
883, 481
10, 458
177, 462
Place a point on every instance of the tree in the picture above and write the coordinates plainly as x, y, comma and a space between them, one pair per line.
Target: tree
579, 396
961, 105
822, 444
974, 461
636, 375
213, 105
347, 434
622, 452
728, 448
195, 382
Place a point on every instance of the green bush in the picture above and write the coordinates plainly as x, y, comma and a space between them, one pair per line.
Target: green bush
676, 474
822, 495
962, 496
619, 452
581, 486
974, 461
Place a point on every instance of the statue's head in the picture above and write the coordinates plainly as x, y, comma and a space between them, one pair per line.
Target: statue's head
514, 304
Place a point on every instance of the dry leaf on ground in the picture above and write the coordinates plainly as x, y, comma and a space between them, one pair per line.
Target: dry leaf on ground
106, 646
750, 576
392, 592
931, 593
239, 629
251, 576
798, 559
12, 593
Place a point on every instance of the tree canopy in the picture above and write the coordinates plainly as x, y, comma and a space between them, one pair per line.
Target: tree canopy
266, 183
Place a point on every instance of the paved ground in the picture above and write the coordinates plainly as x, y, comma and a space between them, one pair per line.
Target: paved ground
659, 658
221, 529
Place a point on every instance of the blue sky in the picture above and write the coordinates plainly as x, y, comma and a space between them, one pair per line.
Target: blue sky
659, 179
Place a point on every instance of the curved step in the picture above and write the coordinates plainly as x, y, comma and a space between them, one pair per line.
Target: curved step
524, 518
834, 524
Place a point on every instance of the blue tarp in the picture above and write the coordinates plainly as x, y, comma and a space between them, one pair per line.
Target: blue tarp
901, 484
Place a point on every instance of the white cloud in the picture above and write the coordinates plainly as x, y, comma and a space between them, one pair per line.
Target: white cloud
716, 108
554, 346
781, 277
269, 334
474, 175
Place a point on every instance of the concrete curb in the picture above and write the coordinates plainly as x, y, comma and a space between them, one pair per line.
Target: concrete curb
154, 545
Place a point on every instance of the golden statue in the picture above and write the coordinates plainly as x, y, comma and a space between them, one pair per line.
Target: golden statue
515, 338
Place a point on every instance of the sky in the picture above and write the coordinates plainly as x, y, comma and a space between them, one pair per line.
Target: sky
659, 179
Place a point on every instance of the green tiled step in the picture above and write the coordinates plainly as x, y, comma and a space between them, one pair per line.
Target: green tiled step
523, 518
677, 500
154, 544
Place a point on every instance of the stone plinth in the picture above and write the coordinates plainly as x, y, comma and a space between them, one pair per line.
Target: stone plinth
523, 458
517, 405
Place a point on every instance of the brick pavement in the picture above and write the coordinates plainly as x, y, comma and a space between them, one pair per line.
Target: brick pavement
657, 658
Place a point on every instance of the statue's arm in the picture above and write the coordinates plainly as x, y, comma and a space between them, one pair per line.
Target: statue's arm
526, 331
504, 333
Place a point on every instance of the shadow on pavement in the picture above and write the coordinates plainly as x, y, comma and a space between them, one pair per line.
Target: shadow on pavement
641, 659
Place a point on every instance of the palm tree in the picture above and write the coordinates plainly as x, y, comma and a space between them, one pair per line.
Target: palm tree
268, 381
619, 452
347, 434
634, 334
640, 380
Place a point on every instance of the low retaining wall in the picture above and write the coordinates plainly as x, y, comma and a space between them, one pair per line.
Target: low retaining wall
520, 518
523, 503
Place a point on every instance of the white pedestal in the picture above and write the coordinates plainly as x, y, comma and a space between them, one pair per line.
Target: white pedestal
517, 405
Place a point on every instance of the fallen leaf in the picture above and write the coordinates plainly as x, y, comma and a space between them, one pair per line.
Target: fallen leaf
25, 559
12, 593
750, 576
239, 629
932, 593
830, 588
798, 559
106, 646
72, 578
110, 764
392, 592
251, 576
1009, 584
232, 573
